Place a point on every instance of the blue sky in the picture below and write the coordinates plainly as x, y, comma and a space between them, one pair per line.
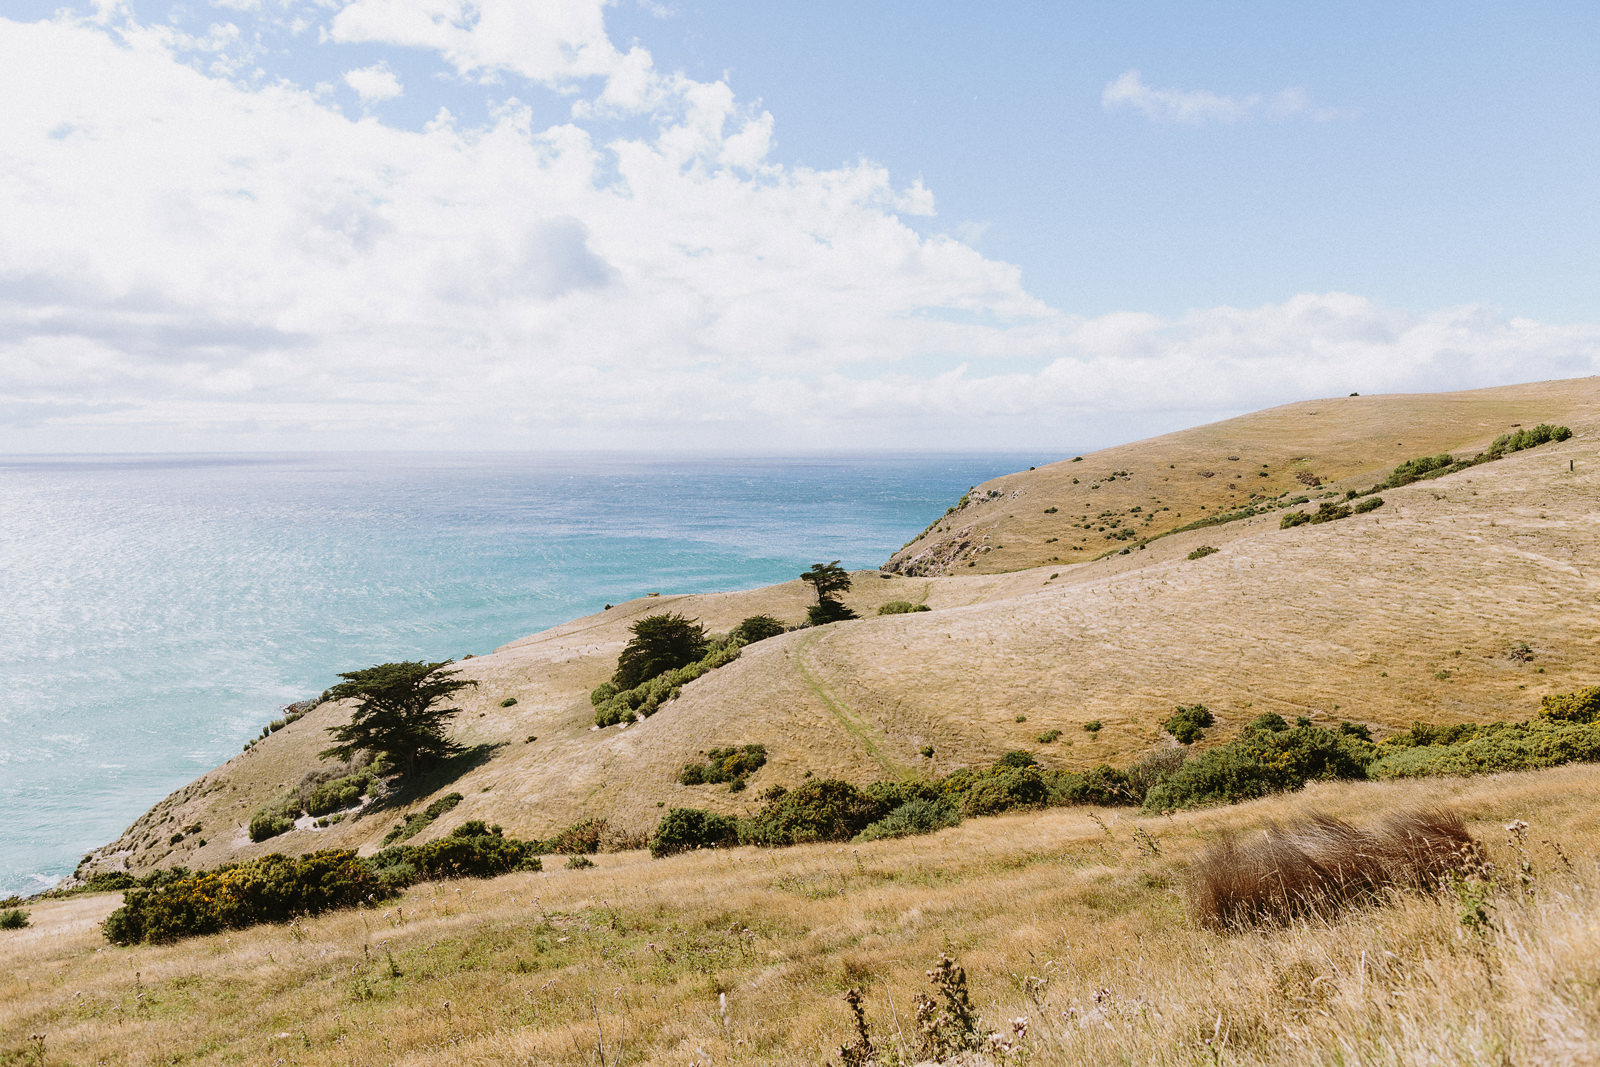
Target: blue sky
746, 227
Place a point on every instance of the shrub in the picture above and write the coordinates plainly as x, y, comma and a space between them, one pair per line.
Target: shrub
822, 810
1582, 706
270, 889
1103, 785
916, 816
1017, 757
725, 765
645, 699
472, 850
1530, 438
1416, 469
900, 607
1048, 736
1003, 788
1155, 767
13, 919
684, 829
580, 837
418, 820
1092, 726
660, 643
602, 693
1188, 722
1268, 757
1328, 512
578, 863
338, 794
508, 702
1203, 551
1372, 503
1320, 866
1486, 749
756, 628
269, 824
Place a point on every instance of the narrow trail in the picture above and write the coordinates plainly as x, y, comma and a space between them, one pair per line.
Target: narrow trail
842, 712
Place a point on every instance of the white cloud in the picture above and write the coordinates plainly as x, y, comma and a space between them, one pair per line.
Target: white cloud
375, 83
1195, 107
192, 263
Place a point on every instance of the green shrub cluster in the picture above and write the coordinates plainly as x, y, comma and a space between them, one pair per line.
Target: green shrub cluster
612, 706
472, 850
1414, 470
417, 821
1486, 748
919, 815
338, 794
13, 919
725, 765
1188, 723
660, 643
901, 607
270, 889
1269, 756
1372, 503
580, 838
820, 810
1326, 512
276, 888
685, 829
274, 820
1203, 551
1582, 706
1531, 438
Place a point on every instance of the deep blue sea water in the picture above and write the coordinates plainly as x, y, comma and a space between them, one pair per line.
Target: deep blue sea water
156, 611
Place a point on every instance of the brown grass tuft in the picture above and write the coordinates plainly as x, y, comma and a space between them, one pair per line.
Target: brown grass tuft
1319, 865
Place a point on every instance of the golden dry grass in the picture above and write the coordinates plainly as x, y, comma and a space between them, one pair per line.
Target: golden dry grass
1405, 613
633, 955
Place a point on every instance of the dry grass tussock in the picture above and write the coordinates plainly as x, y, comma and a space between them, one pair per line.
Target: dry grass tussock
1069, 919
1320, 865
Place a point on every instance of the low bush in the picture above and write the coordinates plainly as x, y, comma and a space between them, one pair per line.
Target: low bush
580, 838
1048, 736
1372, 503
685, 829
915, 816
1320, 866
1268, 757
901, 607
419, 820
1530, 438
269, 824
578, 863
1581, 706
13, 919
1005, 788
829, 611
756, 628
1413, 470
1188, 723
273, 888
1104, 786
508, 702
1203, 551
725, 765
822, 810
472, 850
1486, 748
338, 794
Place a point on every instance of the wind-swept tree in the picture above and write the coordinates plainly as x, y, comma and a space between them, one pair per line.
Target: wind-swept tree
399, 713
660, 643
827, 579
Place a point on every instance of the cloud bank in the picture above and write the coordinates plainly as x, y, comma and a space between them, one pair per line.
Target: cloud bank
200, 256
1196, 107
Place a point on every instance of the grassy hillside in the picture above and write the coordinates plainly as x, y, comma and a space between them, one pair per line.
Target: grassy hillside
1113, 497
1072, 920
1412, 611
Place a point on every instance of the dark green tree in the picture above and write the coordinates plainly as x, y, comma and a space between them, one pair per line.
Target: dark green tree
756, 628
660, 643
828, 579
399, 713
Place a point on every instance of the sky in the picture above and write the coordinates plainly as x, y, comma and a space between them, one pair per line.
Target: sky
232, 225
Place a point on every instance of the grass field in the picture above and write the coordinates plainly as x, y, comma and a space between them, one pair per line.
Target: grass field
1072, 919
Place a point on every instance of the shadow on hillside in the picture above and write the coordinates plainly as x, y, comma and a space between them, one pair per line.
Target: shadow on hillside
406, 791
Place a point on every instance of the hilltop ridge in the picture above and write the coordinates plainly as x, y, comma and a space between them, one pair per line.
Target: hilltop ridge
1404, 613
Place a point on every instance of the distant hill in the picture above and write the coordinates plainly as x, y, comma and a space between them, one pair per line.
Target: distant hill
1407, 612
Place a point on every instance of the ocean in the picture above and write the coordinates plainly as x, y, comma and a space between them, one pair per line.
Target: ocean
157, 611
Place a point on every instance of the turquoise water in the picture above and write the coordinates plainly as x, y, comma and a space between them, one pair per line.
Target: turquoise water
156, 611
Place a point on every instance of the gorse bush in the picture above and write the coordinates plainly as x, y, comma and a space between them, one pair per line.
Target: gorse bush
580, 838
1581, 706
901, 607
419, 820
473, 850
820, 810
916, 816
338, 794
1413, 470
1530, 438
1270, 756
269, 824
1202, 552
1487, 748
13, 919
725, 765
1372, 503
686, 829
1188, 722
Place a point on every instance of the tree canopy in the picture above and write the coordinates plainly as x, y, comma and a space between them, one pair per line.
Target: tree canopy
399, 712
827, 579
660, 643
